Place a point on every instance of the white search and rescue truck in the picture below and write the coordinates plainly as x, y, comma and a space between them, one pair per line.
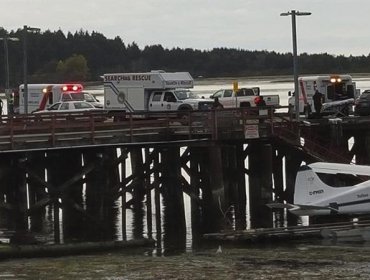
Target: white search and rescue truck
152, 91
42, 95
335, 89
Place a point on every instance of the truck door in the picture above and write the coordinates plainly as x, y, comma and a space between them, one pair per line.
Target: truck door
169, 101
156, 101
228, 100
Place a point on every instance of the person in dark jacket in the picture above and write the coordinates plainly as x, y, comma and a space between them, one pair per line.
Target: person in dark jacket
317, 101
217, 104
261, 102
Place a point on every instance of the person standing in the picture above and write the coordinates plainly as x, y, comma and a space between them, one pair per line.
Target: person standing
261, 102
217, 104
317, 101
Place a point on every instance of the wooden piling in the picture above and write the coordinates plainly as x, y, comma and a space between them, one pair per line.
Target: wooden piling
214, 206
241, 198
195, 154
102, 186
148, 189
173, 201
71, 194
157, 201
123, 194
36, 189
6, 215
260, 184
292, 164
278, 175
138, 191
20, 184
235, 188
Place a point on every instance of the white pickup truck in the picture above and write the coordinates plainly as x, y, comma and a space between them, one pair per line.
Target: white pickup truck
244, 97
177, 100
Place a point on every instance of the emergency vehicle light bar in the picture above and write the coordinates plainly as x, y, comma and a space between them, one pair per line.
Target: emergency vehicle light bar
72, 87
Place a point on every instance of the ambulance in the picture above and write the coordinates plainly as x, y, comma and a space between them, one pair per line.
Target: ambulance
336, 89
40, 96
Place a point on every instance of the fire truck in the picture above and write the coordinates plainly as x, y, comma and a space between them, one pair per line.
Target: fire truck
41, 96
337, 90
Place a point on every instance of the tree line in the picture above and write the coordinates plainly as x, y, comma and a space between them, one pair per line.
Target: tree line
83, 56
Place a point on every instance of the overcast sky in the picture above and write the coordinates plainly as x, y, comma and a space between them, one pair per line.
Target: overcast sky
335, 26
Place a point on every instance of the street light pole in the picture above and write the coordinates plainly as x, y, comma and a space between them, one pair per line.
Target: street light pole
6, 58
293, 14
8, 91
26, 29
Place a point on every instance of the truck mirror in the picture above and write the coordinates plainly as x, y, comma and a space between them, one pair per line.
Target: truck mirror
211, 97
289, 93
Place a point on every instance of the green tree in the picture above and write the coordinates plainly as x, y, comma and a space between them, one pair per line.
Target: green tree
74, 68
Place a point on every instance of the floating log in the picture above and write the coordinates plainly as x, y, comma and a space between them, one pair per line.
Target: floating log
347, 235
331, 230
29, 251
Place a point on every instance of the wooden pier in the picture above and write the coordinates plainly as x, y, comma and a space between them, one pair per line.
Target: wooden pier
76, 175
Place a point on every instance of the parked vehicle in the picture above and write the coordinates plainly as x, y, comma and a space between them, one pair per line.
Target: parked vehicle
244, 97
153, 91
362, 104
333, 87
42, 95
83, 96
69, 107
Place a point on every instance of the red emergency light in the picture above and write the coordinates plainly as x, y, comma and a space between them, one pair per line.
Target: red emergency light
72, 88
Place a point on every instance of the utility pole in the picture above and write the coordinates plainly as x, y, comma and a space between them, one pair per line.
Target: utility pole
8, 91
26, 29
293, 14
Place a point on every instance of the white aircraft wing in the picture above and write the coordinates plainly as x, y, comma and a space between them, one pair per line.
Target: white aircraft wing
335, 168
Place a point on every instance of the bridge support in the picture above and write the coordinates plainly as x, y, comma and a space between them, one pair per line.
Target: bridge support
260, 184
173, 201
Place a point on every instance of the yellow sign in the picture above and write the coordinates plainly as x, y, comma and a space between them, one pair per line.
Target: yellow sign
235, 86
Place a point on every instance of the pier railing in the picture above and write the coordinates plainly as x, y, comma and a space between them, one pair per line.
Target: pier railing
62, 130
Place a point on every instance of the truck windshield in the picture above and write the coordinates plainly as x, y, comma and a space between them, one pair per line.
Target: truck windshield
67, 96
185, 94
88, 97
